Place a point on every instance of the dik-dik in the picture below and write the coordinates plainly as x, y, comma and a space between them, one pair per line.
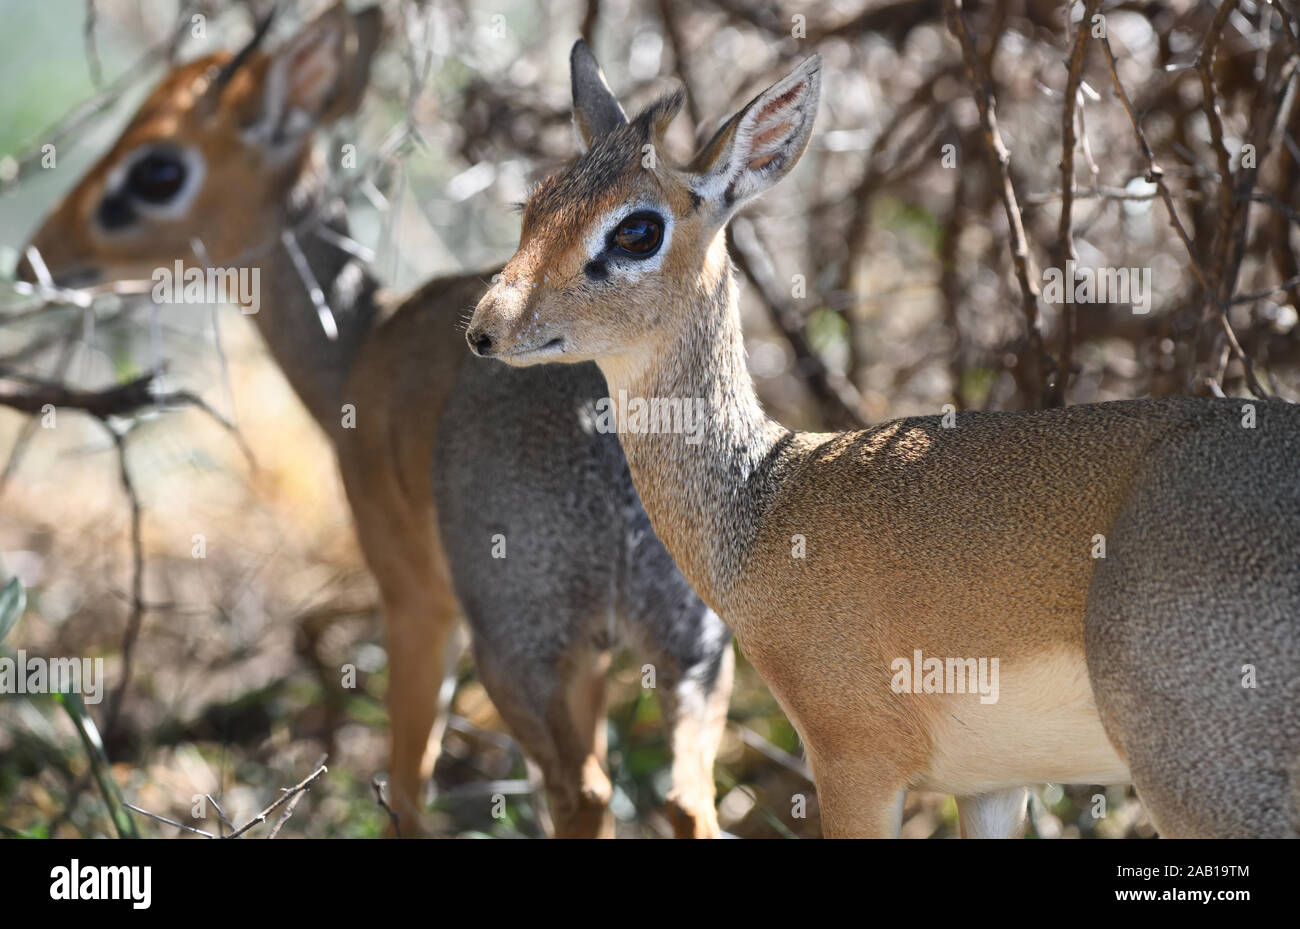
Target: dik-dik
504, 462
1172, 662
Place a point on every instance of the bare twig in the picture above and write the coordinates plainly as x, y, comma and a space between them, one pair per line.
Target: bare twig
1210, 105
685, 67
221, 815
1021, 256
92, 47
1065, 252
1211, 370
589, 18
169, 822
136, 616
1107, 193
381, 790
838, 397
791, 763
119, 400
1156, 176
293, 804
293, 795
288, 794
1283, 287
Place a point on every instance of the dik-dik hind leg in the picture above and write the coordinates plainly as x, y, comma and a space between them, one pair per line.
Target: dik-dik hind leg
695, 711
997, 815
693, 682
1192, 636
691, 650
419, 631
556, 709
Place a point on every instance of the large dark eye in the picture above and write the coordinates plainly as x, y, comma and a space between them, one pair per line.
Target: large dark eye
639, 235
156, 178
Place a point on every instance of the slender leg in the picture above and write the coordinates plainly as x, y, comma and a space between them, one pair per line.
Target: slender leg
695, 710
556, 709
691, 650
418, 631
857, 801
589, 817
996, 815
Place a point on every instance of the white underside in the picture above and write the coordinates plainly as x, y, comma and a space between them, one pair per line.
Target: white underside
1043, 729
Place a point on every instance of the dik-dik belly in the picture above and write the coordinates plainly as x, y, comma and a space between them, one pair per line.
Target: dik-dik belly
1043, 727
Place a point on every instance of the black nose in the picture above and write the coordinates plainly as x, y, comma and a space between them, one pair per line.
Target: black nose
480, 342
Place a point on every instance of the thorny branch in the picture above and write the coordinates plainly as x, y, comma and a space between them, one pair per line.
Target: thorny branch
288, 795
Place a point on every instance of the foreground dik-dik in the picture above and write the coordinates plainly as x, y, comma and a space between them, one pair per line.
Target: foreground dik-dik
971, 542
219, 154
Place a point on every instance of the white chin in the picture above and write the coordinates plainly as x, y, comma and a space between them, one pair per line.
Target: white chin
522, 357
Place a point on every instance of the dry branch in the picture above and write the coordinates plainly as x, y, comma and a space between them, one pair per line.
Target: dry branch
1156, 175
1024, 263
1065, 252
837, 396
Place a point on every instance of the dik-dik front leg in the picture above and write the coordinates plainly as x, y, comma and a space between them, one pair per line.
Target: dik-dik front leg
420, 657
858, 800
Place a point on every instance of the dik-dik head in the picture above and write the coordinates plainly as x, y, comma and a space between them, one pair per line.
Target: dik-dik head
211, 155
614, 247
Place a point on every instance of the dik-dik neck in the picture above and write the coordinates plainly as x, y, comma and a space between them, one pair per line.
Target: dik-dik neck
703, 489
315, 365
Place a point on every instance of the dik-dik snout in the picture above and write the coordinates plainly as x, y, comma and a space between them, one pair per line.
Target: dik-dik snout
508, 322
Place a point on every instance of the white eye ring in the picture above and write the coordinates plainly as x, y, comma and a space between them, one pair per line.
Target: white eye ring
177, 206
597, 241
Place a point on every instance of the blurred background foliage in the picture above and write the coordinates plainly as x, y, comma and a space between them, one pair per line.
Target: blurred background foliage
878, 283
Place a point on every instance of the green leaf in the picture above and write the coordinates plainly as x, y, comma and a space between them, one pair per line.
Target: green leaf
13, 600
99, 764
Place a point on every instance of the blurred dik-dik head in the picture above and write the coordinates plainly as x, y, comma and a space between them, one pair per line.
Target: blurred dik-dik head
617, 245
211, 155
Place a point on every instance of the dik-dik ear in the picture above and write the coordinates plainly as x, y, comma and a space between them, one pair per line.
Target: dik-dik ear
595, 108
760, 144
318, 75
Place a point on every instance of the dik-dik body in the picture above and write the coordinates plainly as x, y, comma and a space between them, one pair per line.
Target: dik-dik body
503, 462
840, 559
